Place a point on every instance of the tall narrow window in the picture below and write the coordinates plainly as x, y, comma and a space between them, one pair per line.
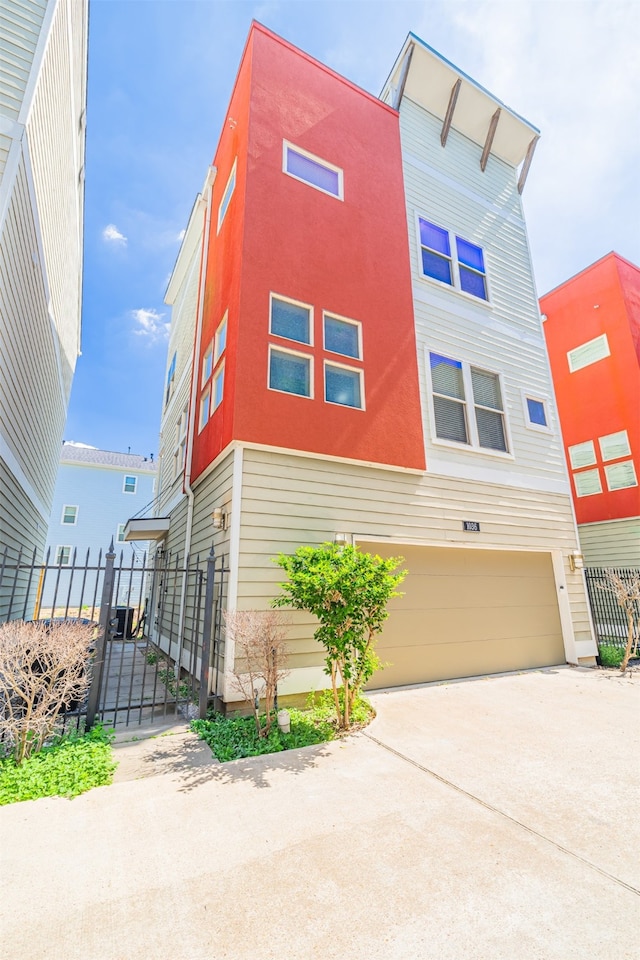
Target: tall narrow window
436, 252
471, 268
218, 387
488, 409
171, 377
130, 484
220, 340
226, 196
449, 404
63, 556
69, 514
312, 170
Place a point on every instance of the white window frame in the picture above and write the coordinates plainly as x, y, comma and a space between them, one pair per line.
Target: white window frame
589, 447
217, 352
574, 367
69, 523
603, 446
229, 190
296, 303
473, 446
287, 145
353, 323
59, 561
180, 448
343, 366
296, 353
214, 389
581, 473
202, 420
120, 533
171, 378
611, 468
453, 259
207, 361
526, 395
130, 476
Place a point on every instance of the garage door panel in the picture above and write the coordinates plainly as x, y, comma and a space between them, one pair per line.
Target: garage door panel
468, 612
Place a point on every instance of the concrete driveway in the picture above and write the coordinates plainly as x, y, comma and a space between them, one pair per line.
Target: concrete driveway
486, 819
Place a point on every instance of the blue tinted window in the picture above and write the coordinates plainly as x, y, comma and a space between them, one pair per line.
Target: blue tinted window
434, 237
341, 337
290, 373
435, 266
313, 172
537, 413
470, 255
342, 386
226, 197
290, 320
218, 388
473, 283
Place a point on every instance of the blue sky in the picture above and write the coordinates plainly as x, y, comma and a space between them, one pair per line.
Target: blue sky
160, 78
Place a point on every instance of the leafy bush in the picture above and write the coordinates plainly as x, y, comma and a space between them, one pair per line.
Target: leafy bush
610, 656
71, 765
232, 738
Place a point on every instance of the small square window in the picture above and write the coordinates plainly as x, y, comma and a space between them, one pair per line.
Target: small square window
290, 320
342, 336
63, 556
226, 196
130, 484
69, 515
220, 340
312, 170
615, 445
207, 364
587, 483
621, 475
535, 413
343, 385
205, 408
218, 387
582, 454
290, 372
120, 536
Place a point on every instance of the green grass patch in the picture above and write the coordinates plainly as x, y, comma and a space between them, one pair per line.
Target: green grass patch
232, 738
71, 765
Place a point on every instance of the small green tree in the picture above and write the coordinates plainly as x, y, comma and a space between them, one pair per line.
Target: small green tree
348, 591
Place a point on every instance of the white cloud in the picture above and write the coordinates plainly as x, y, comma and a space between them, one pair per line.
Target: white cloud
150, 324
180, 236
112, 235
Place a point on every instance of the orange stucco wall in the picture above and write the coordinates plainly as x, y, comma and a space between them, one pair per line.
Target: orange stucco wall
348, 257
604, 397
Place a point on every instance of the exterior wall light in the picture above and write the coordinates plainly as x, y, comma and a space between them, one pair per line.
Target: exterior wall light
576, 561
342, 539
219, 517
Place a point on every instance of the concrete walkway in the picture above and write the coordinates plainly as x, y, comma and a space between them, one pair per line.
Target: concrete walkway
480, 820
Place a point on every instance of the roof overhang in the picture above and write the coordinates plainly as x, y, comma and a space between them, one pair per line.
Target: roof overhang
427, 78
147, 528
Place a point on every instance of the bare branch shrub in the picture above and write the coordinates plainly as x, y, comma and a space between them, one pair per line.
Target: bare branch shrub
261, 656
627, 593
43, 672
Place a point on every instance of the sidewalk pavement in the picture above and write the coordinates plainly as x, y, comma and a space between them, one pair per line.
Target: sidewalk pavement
481, 820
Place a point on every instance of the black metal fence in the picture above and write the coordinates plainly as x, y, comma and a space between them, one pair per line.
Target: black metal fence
609, 618
159, 628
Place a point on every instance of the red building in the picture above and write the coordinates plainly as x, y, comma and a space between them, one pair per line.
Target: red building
592, 330
308, 284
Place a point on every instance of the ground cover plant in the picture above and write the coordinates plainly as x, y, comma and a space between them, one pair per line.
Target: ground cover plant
68, 766
232, 738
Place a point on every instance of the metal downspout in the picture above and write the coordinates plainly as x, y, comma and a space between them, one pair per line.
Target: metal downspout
208, 188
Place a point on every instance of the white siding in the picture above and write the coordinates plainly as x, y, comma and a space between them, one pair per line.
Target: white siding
20, 24
615, 543
505, 336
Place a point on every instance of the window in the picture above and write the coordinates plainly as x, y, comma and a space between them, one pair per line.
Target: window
171, 376
536, 416
69, 515
205, 408
130, 484
588, 353
207, 364
343, 385
218, 387
226, 196
312, 170
454, 384
220, 340
290, 372
621, 475
587, 482
464, 270
342, 336
615, 445
291, 320
63, 556
180, 446
582, 454
120, 536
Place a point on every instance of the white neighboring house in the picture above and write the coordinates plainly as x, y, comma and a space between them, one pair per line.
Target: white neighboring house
96, 493
43, 69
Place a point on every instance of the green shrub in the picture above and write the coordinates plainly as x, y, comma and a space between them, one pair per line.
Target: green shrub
71, 765
610, 656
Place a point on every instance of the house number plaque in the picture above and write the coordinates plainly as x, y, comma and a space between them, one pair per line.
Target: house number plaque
472, 525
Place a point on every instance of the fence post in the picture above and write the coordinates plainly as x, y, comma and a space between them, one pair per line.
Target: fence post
205, 665
103, 632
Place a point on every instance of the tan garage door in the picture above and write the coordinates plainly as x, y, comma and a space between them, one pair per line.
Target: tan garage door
468, 612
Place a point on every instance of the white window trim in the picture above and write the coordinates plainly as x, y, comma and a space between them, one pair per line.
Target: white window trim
455, 270
527, 395
296, 303
582, 466
344, 366
610, 467
208, 353
227, 195
180, 448
214, 380
295, 353
286, 145
68, 506
472, 427
60, 547
217, 353
354, 323
618, 456
203, 396
130, 476
578, 474
581, 366
121, 527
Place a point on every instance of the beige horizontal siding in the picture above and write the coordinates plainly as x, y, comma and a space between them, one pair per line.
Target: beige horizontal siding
611, 544
21, 528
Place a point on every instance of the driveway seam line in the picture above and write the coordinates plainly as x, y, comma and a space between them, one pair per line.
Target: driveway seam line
501, 813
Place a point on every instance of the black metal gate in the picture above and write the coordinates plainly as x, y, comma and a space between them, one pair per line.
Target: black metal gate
158, 622
609, 619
